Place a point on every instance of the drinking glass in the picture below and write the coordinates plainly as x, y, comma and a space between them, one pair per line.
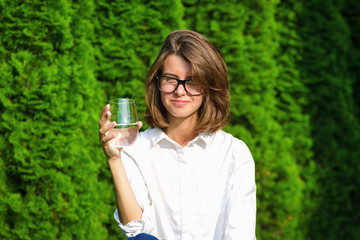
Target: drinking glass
123, 112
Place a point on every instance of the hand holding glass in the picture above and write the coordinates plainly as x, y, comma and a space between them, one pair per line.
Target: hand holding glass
123, 112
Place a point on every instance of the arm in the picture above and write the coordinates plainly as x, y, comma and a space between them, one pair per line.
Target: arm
128, 207
241, 208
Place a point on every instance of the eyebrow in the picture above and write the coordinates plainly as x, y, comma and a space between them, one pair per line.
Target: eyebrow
174, 75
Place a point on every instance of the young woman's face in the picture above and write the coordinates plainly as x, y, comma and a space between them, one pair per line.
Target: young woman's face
179, 104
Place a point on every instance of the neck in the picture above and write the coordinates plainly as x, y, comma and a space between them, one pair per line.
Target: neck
181, 130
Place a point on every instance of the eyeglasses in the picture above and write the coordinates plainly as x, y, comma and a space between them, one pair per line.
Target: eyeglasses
170, 84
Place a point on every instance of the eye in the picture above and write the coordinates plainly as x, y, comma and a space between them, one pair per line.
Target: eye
191, 82
169, 80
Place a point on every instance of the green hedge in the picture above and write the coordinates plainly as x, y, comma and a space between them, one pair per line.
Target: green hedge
293, 71
49, 105
326, 67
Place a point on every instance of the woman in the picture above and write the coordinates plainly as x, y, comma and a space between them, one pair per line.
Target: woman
184, 178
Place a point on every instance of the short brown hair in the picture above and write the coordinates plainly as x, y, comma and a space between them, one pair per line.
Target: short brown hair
208, 68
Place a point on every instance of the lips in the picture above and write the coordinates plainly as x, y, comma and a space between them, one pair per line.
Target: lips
179, 103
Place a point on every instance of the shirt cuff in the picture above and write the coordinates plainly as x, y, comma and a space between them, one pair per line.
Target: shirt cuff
135, 227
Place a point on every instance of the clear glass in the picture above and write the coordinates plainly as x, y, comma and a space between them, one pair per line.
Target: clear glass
123, 112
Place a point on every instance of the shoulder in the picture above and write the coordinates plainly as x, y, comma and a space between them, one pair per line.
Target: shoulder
228, 138
239, 150
144, 142
146, 136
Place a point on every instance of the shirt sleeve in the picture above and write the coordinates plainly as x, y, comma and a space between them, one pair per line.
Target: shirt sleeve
241, 207
140, 189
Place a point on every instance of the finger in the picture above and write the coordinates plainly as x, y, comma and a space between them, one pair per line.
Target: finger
104, 119
104, 110
140, 124
107, 137
106, 127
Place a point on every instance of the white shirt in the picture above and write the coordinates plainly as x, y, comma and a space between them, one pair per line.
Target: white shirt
205, 190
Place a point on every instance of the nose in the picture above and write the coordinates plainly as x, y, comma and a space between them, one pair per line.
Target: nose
180, 90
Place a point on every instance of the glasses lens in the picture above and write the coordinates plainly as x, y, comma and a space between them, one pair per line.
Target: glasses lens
167, 84
193, 88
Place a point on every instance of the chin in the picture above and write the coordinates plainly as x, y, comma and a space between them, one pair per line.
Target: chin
182, 115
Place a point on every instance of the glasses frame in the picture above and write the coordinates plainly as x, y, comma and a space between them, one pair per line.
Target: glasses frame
182, 82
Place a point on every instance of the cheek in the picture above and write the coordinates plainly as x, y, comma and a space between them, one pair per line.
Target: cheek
163, 98
200, 101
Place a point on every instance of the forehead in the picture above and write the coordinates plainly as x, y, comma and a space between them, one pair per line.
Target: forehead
177, 66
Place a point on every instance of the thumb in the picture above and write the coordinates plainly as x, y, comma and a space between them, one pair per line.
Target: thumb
140, 124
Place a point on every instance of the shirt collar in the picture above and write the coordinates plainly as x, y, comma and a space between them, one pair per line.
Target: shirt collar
157, 135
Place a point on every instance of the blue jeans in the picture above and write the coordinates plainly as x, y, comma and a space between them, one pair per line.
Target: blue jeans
143, 236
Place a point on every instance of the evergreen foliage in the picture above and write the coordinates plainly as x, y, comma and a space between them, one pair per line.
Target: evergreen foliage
291, 95
49, 184
325, 68
294, 80
350, 11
